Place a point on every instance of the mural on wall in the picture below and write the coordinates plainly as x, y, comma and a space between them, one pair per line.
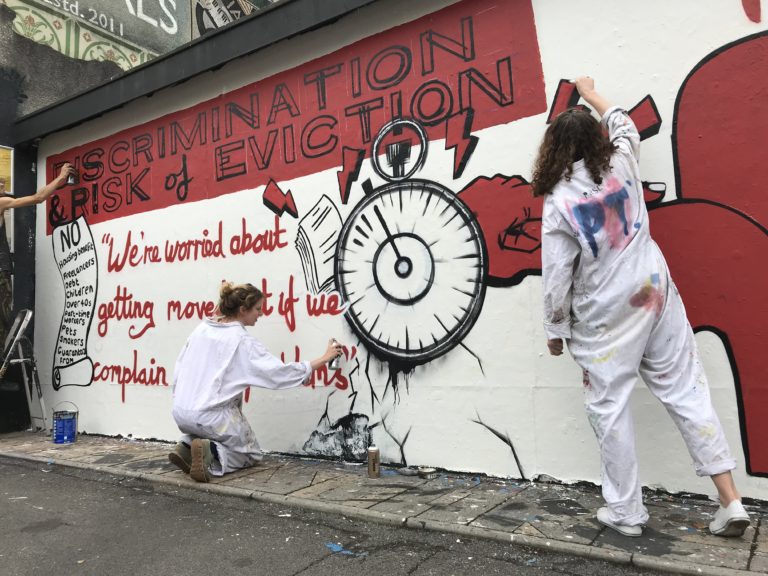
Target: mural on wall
381, 97
316, 242
410, 260
722, 283
75, 255
715, 235
406, 260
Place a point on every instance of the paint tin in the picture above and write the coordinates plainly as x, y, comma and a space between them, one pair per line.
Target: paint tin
374, 462
65, 424
427, 473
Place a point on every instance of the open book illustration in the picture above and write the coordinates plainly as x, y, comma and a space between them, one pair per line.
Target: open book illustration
316, 244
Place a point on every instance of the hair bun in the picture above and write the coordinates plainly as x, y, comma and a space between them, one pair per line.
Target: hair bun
227, 288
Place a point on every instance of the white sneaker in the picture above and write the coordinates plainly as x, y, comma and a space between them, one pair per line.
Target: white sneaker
730, 521
604, 517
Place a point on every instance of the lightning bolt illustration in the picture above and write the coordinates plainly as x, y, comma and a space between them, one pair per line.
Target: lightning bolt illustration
350, 170
278, 201
458, 135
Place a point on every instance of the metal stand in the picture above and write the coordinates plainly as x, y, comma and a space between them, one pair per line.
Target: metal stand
18, 350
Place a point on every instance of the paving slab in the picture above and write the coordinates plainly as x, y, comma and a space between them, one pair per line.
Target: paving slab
463, 505
716, 552
276, 479
688, 520
362, 492
417, 499
759, 562
760, 518
23, 445
549, 511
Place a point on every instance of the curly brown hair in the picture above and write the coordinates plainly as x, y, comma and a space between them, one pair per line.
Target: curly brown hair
232, 297
573, 135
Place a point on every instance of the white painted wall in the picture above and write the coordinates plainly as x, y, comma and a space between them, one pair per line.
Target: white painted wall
632, 49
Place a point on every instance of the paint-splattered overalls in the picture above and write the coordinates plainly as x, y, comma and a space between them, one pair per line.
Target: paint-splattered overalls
607, 291
216, 365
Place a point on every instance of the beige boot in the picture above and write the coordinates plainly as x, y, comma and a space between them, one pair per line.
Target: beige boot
181, 457
202, 458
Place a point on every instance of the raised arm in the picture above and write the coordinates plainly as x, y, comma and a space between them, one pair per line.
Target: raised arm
621, 130
586, 87
41, 195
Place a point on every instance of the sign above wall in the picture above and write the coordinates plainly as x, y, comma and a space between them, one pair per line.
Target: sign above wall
157, 25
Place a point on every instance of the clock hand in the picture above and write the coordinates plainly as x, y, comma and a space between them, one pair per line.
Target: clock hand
387, 232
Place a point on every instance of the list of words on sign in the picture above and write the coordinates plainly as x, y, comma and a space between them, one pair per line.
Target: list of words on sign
75, 255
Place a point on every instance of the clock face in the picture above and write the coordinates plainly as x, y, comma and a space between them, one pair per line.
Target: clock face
411, 265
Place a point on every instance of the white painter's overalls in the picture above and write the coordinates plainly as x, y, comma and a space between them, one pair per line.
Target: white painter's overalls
607, 291
218, 362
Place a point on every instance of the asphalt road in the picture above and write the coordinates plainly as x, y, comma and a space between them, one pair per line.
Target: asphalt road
59, 521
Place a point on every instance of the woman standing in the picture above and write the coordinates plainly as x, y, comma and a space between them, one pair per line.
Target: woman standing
218, 362
608, 293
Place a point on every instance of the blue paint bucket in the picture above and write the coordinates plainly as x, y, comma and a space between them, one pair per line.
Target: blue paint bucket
64, 424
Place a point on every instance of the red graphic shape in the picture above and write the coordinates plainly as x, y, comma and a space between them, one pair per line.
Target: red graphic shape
279, 202
721, 121
752, 9
458, 135
510, 218
566, 97
653, 192
350, 171
646, 117
717, 259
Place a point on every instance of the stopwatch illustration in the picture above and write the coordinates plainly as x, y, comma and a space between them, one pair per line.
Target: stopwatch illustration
411, 261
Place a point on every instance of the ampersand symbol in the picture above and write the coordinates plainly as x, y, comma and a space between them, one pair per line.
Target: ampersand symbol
56, 213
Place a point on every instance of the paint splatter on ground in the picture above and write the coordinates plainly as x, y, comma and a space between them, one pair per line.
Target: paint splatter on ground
339, 549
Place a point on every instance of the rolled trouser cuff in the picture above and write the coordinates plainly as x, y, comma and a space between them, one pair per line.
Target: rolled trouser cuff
716, 467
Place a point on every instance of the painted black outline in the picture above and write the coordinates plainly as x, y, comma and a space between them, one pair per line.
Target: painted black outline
504, 438
655, 128
400, 443
571, 101
513, 226
94, 311
519, 276
413, 299
325, 247
469, 116
279, 210
352, 172
721, 333
396, 125
428, 353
